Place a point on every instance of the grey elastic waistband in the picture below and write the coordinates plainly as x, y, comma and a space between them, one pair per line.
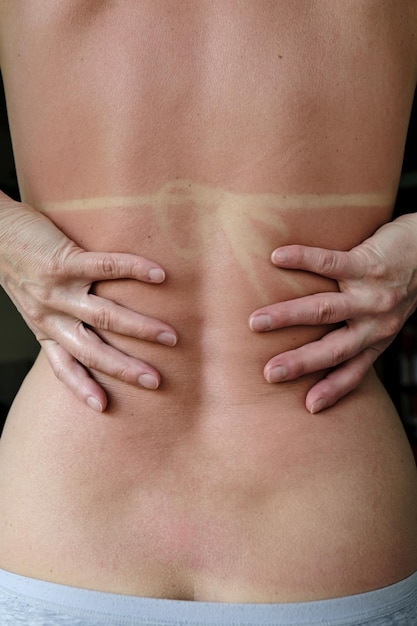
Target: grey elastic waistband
92, 604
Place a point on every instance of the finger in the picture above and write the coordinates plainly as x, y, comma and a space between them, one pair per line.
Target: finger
330, 263
331, 350
89, 350
74, 376
313, 310
105, 314
95, 266
341, 381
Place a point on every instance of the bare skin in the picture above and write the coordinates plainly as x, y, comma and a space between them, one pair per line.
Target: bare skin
377, 292
201, 137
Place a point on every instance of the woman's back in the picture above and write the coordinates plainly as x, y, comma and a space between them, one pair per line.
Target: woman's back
204, 135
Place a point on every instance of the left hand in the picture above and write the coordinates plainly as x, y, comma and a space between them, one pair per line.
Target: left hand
377, 283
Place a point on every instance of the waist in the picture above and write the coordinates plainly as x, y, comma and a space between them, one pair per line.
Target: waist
217, 359
234, 501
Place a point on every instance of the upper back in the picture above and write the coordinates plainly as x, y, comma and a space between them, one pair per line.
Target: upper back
96, 87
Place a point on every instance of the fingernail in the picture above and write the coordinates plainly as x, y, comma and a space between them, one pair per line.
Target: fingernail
277, 374
148, 381
280, 256
168, 339
94, 404
156, 275
318, 406
260, 322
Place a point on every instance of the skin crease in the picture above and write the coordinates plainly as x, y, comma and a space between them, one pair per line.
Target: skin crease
229, 129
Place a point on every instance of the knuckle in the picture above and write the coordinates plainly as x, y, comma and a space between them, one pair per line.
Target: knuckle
41, 293
59, 370
108, 266
102, 319
339, 355
124, 373
394, 326
377, 268
327, 261
86, 357
296, 368
35, 315
143, 330
390, 298
140, 333
388, 329
56, 267
325, 312
355, 378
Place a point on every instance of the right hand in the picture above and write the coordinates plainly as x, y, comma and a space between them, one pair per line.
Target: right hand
49, 277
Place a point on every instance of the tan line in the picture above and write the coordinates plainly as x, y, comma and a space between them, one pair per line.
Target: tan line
178, 192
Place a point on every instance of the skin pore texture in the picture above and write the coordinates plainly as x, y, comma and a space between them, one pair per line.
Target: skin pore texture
202, 136
212, 239
190, 486
242, 219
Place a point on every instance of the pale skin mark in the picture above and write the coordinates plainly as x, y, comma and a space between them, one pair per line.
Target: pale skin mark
242, 218
235, 214
176, 192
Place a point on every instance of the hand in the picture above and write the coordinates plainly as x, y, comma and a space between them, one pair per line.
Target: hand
377, 283
49, 278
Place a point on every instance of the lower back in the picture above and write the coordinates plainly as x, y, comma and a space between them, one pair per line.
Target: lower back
251, 500
217, 486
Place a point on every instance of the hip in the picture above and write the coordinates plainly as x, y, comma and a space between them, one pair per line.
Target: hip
252, 501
